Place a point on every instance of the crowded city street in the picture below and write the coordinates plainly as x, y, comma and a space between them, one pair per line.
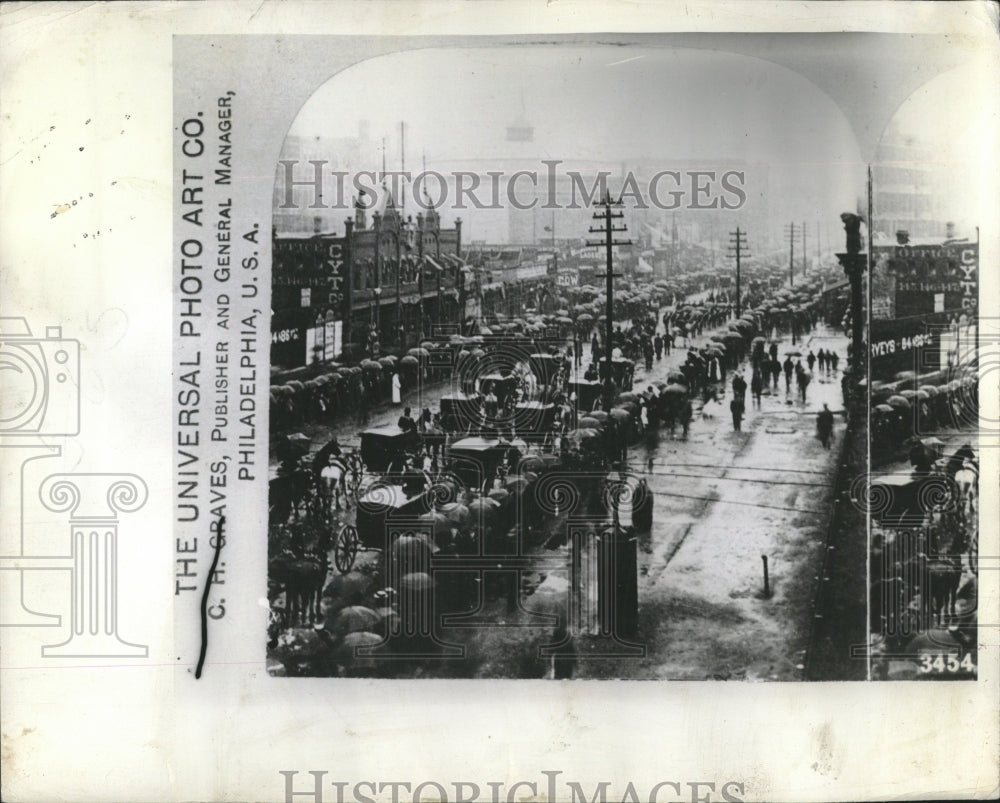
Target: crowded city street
724, 501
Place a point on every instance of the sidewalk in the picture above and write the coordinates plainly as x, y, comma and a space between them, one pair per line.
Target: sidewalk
722, 500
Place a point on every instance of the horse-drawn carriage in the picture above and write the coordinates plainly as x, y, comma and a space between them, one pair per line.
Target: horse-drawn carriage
459, 412
545, 367
622, 371
503, 387
897, 500
389, 502
588, 393
475, 460
383, 447
534, 420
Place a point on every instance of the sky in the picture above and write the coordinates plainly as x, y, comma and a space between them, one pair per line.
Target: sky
588, 105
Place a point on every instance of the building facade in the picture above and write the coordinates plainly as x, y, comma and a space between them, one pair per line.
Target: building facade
924, 301
381, 287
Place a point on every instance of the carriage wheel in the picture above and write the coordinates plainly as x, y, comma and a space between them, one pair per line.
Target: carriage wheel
346, 548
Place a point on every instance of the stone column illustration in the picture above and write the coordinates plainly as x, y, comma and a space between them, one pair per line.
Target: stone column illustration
94, 502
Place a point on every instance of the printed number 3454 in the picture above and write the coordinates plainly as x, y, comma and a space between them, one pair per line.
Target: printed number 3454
941, 663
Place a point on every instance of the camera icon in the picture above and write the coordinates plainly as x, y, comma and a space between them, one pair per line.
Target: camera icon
40, 379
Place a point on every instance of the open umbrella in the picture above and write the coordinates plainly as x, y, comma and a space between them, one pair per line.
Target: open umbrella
500, 495
882, 408
436, 519
620, 414
930, 390
588, 422
483, 509
456, 512
898, 402
598, 415
416, 581
411, 553
354, 618
409, 360
675, 389
348, 586
531, 463
676, 376
793, 353
419, 352
515, 485
346, 650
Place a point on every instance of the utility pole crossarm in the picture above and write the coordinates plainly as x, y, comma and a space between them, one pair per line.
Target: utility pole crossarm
607, 216
738, 240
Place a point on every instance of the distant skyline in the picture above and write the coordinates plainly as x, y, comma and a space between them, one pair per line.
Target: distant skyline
602, 105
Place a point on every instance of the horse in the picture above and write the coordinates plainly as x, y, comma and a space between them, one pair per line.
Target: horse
333, 477
286, 494
943, 576
967, 480
302, 580
300, 569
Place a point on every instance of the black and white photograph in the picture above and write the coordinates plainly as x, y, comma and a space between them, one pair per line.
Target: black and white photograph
578, 369
397, 398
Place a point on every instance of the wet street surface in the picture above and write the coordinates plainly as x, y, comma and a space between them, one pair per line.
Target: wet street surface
723, 501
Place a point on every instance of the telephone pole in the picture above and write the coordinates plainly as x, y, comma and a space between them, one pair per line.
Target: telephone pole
805, 253
608, 230
790, 233
737, 245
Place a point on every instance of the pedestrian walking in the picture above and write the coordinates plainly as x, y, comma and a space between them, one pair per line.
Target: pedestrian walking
397, 389
658, 345
668, 340
773, 351
739, 387
824, 426
364, 404
789, 367
821, 360
803, 381
686, 414
736, 407
775, 373
756, 387
834, 359
811, 359
406, 422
